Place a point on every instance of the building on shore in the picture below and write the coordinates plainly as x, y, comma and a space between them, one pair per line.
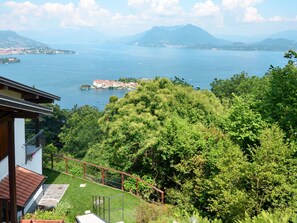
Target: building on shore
107, 84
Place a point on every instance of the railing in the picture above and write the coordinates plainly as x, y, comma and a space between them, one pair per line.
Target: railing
33, 145
4, 211
105, 176
109, 208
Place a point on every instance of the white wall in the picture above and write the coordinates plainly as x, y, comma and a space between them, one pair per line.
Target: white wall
19, 134
3, 168
36, 163
34, 199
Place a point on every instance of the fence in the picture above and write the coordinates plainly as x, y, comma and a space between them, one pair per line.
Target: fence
105, 176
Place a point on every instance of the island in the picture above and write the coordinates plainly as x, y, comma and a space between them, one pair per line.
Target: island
121, 84
112, 84
8, 60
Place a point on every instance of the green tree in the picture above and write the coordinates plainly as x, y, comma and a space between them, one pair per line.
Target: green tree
243, 124
153, 127
281, 99
80, 131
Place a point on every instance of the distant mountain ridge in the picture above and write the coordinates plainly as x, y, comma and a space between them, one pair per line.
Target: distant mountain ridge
288, 34
190, 36
178, 36
10, 39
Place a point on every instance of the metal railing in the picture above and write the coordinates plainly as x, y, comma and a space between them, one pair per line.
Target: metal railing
33, 145
109, 208
105, 176
4, 211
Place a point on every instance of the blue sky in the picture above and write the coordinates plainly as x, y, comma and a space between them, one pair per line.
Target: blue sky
127, 17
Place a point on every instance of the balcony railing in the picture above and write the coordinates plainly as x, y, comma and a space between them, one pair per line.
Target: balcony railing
4, 211
33, 145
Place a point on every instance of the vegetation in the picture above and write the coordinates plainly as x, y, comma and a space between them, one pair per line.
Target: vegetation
80, 199
226, 155
128, 79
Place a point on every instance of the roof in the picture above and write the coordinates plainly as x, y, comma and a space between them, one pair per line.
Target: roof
28, 93
8, 103
27, 183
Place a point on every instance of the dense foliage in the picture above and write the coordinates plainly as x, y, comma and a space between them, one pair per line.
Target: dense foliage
227, 154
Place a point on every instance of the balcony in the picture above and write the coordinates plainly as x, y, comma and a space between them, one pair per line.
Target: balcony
33, 145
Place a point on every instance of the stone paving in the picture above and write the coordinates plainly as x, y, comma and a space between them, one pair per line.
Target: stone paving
52, 195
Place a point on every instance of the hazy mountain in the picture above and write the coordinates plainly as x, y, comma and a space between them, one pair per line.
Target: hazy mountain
275, 44
178, 36
242, 38
289, 34
10, 39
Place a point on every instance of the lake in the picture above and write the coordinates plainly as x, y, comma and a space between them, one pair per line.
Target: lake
62, 75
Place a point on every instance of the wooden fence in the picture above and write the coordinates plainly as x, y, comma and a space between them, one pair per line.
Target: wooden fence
105, 176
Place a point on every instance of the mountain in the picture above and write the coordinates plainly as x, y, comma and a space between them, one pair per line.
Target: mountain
10, 39
288, 34
275, 44
178, 36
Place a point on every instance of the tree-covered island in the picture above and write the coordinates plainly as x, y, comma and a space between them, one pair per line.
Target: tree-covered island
8, 60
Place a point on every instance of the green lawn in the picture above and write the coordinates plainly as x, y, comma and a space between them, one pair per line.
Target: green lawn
80, 198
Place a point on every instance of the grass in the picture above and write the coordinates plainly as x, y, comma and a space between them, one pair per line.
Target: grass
80, 198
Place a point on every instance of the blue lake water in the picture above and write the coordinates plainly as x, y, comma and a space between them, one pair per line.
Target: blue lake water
62, 75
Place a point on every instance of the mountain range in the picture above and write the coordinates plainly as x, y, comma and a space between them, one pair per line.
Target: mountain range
190, 36
183, 36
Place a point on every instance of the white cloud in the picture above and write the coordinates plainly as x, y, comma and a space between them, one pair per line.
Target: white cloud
205, 9
87, 13
252, 15
157, 7
233, 4
136, 3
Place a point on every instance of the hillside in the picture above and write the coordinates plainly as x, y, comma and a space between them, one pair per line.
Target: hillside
178, 36
10, 39
288, 34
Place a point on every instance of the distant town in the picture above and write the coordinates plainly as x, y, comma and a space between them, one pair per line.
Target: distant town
38, 50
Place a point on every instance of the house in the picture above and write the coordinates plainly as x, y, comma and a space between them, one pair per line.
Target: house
21, 176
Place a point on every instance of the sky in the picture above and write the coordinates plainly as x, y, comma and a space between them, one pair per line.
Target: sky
128, 17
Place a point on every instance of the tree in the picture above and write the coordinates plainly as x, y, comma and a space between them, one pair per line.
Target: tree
154, 127
243, 124
281, 99
80, 131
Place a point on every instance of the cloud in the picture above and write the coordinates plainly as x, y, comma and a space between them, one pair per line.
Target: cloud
87, 13
205, 9
233, 4
157, 7
252, 15
137, 3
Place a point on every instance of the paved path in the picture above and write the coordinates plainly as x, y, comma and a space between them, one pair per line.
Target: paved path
52, 194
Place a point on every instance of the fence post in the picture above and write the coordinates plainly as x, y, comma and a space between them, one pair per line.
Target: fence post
162, 197
66, 165
137, 189
122, 181
52, 161
102, 176
85, 170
